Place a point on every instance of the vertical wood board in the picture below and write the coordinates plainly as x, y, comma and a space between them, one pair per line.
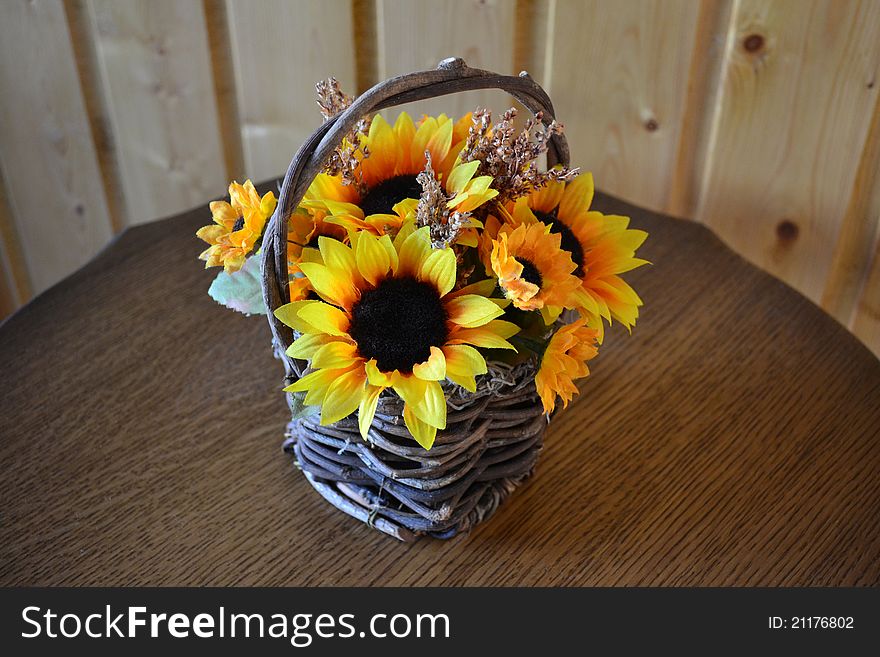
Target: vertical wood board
156, 72
46, 149
794, 110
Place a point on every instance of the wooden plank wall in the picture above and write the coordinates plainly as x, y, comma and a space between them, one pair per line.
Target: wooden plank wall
759, 118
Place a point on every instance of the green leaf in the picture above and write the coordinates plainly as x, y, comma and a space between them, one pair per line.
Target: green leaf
240, 291
298, 407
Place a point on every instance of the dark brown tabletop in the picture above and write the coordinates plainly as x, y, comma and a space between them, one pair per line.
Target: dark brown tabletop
734, 439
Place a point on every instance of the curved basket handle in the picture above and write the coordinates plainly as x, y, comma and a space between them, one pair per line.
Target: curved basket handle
451, 76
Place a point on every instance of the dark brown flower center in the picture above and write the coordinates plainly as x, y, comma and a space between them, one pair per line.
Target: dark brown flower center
569, 241
239, 224
381, 198
398, 322
530, 272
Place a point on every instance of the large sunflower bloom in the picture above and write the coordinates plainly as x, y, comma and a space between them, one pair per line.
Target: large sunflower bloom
388, 318
564, 361
397, 154
237, 226
601, 246
533, 271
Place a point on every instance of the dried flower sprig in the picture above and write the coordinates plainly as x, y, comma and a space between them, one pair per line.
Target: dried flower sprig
509, 157
433, 209
331, 99
343, 161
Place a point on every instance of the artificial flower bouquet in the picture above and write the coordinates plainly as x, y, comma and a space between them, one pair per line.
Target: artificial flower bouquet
442, 292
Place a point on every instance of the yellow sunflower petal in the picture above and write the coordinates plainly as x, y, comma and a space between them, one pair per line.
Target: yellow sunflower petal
423, 432
439, 268
299, 289
550, 314
373, 259
343, 396
522, 213
313, 380
440, 142
377, 377
233, 262
367, 408
268, 204
334, 355
410, 389
482, 288
307, 344
325, 318
325, 186
405, 130
461, 176
491, 336
432, 407
470, 310
433, 369
469, 201
223, 213
577, 197
289, 314
463, 363
328, 283
337, 256
415, 249
339, 209
210, 233
548, 197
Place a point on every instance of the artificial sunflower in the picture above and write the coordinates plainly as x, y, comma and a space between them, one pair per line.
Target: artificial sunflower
388, 318
369, 196
304, 228
237, 226
533, 271
565, 360
601, 246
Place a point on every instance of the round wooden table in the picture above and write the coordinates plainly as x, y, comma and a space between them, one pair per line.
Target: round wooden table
734, 439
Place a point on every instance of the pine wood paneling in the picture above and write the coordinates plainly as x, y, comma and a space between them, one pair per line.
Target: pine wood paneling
760, 118
796, 101
156, 71
866, 323
15, 286
46, 149
280, 49
618, 78
417, 35
858, 233
223, 72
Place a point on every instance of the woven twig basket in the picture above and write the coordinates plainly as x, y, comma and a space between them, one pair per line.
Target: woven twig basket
493, 436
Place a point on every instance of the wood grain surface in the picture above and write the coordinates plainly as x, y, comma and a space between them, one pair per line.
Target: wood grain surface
773, 192
618, 76
46, 143
734, 439
279, 50
414, 36
156, 72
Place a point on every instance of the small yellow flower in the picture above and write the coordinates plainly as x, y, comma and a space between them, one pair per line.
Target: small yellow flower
564, 361
388, 318
237, 226
532, 269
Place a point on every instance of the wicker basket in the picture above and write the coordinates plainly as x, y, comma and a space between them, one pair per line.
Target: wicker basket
493, 436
